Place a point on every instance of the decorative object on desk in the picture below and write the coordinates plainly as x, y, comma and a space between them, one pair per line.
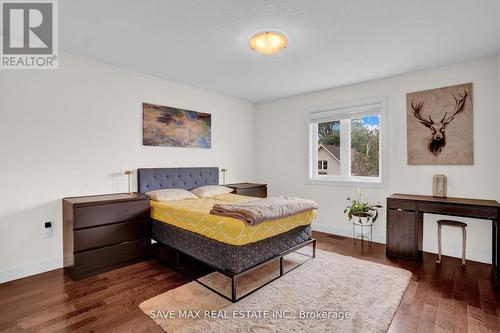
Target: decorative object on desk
224, 171
129, 174
173, 127
439, 125
364, 214
439, 186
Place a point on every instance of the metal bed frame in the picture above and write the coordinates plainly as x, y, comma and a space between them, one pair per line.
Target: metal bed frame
233, 276
149, 179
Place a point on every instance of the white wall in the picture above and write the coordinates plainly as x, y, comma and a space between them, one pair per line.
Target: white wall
498, 126
72, 131
281, 152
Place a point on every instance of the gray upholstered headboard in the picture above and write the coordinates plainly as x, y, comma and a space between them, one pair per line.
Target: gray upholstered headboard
151, 179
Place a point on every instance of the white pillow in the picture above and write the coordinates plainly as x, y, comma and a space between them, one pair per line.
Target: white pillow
211, 190
170, 194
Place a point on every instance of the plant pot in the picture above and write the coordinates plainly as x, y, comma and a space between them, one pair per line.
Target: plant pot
362, 220
362, 226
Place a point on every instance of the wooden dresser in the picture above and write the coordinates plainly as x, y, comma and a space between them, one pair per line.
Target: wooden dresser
250, 189
104, 232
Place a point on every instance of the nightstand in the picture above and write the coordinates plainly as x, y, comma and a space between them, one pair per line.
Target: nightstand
250, 189
104, 232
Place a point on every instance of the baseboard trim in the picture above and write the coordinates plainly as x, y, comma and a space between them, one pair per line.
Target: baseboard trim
33, 269
377, 238
346, 232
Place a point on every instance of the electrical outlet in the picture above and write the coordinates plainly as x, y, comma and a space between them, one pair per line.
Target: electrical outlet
49, 231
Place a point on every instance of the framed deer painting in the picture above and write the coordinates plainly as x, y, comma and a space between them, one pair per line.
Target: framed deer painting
439, 126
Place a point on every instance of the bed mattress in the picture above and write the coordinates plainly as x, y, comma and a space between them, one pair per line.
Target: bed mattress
194, 215
227, 257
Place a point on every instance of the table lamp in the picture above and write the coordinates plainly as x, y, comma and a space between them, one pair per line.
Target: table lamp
129, 174
224, 171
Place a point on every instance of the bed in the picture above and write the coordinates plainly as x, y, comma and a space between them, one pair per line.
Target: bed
227, 245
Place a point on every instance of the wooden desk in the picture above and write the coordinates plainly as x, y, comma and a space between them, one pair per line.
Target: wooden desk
405, 217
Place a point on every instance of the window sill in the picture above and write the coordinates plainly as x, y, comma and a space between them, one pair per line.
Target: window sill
348, 182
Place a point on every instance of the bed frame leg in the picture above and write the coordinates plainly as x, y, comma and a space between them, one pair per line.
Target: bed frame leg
281, 266
233, 288
314, 248
177, 259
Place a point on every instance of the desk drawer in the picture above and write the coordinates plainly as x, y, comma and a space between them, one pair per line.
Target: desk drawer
92, 238
465, 211
90, 216
401, 205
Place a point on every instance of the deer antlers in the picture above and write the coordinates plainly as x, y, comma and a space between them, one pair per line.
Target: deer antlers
416, 112
459, 107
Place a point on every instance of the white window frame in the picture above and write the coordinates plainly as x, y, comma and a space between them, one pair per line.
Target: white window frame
365, 107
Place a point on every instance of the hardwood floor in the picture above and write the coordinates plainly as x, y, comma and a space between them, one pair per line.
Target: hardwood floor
440, 298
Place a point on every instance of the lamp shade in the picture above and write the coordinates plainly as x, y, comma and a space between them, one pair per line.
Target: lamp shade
268, 42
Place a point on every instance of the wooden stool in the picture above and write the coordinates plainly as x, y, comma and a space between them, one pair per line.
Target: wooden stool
452, 223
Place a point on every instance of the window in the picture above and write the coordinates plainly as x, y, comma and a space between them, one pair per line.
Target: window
322, 167
346, 144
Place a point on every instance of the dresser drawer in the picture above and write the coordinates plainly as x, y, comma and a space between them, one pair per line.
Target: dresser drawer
89, 216
92, 238
107, 258
259, 192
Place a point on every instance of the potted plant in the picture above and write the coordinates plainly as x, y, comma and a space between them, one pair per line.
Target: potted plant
365, 212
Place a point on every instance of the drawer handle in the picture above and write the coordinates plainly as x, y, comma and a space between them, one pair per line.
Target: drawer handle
399, 209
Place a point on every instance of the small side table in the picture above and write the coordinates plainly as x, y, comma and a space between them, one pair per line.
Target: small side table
249, 189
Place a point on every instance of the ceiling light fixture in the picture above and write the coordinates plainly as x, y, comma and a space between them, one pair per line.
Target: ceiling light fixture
268, 42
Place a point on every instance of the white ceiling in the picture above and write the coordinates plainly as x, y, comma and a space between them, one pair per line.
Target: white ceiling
203, 43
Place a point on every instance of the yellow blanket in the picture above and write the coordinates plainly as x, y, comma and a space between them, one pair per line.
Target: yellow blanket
194, 215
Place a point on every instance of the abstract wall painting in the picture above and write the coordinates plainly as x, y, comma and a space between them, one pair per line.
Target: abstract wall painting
440, 126
173, 127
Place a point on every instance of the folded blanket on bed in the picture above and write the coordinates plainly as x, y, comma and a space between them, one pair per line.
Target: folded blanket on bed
258, 211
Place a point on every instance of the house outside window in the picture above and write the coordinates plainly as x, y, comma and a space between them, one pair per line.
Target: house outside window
323, 167
346, 144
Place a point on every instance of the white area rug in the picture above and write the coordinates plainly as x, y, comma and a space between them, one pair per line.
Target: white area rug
331, 285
